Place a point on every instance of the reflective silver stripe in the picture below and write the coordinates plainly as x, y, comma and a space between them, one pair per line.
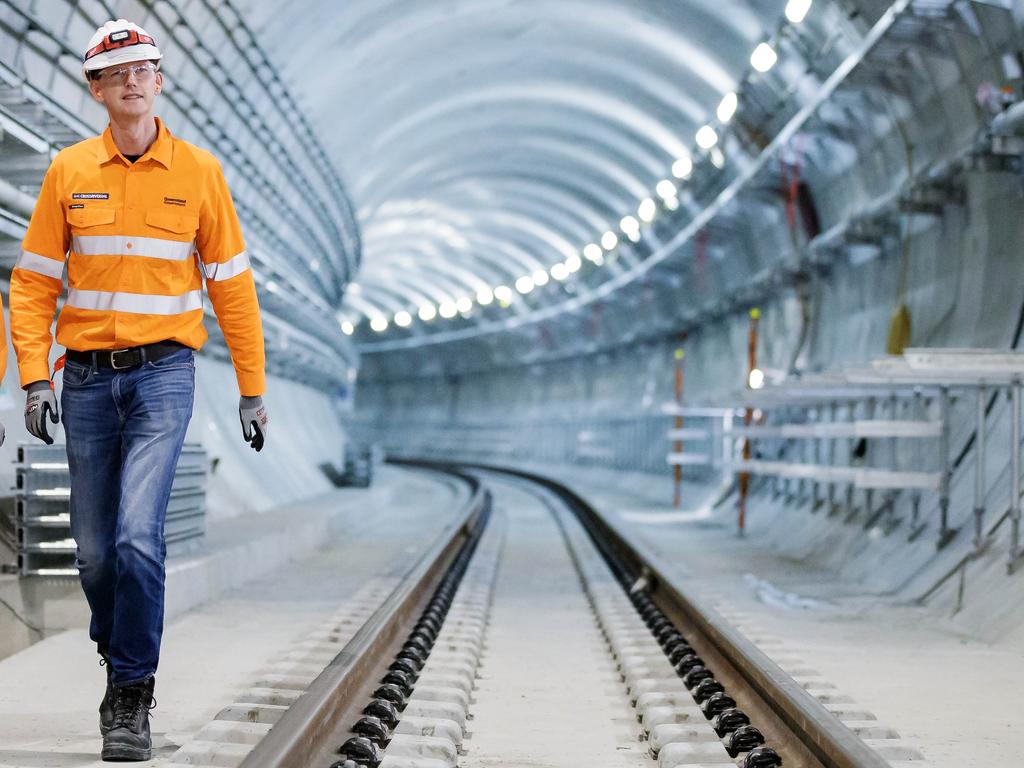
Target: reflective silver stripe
33, 262
236, 265
138, 303
127, 245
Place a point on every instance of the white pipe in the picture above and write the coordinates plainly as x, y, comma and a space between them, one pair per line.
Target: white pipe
15, 200
1010, 120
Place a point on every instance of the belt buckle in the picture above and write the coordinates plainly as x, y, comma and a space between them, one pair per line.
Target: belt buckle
113, 364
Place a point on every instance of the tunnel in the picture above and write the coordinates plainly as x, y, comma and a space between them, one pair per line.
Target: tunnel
632, 382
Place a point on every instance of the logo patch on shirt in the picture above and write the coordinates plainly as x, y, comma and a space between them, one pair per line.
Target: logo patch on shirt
90, 196
76, 205
174, 201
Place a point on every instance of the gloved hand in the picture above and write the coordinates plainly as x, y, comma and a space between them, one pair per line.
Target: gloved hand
253, 416
39, 400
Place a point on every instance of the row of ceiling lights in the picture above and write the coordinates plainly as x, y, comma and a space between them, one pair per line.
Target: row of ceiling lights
762, 60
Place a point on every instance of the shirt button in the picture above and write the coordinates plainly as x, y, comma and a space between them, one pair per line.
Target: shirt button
127, 245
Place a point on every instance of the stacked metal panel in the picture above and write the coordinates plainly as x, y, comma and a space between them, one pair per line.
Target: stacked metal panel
41, 529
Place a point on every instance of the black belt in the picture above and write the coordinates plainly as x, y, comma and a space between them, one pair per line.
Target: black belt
123, 359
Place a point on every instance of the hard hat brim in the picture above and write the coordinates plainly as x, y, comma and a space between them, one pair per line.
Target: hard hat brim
124, 56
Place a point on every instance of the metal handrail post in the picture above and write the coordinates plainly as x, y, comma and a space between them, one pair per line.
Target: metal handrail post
1016, 555
892, 494
945, 532
833, 417
915, 498
869, 493
979, 469
850, 509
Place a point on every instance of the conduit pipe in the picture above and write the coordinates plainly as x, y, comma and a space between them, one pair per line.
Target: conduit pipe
1009, 121
16, 201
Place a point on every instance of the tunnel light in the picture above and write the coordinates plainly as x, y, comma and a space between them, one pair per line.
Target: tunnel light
592, 252
665, 189
682, 168
540, 277
609, 240
464, 304
347, 328
763, 58
427, 313
354, 288
484, 296
717, 157
756, 379
796, 10
503, 294
573, 263
629, 225
524, 284
314, 265
647, 210
706, 137
560, 271
727, 107
271, 286
379, 324
403, 319
447, 310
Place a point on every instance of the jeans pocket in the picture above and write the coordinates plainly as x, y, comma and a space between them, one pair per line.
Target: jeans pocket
76, 374
183, 358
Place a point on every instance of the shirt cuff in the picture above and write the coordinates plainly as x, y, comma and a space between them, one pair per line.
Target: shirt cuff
33, 371
250, 384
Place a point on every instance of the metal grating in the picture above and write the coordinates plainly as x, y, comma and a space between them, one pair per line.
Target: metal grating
39, 524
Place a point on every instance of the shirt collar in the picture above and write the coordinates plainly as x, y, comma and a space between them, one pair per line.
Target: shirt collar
160, 150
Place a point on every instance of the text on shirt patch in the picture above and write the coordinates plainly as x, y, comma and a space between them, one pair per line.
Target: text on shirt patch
76, 205
90, 196
174, 201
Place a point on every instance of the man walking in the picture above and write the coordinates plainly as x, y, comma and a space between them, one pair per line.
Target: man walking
140, 216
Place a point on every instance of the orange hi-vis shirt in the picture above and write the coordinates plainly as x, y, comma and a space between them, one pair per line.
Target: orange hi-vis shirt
138, 238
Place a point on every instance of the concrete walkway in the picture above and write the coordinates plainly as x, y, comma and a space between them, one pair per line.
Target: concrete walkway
49, 692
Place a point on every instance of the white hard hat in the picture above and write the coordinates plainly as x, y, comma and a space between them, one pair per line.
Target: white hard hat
119, 42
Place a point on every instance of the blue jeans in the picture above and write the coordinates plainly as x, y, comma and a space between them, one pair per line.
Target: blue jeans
124, 434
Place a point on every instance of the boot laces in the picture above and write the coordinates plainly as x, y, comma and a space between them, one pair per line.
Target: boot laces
130, 704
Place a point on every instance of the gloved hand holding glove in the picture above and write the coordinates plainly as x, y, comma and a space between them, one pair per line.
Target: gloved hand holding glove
253, 416
40, 400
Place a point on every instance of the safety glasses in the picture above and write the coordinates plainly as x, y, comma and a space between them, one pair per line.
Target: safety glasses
119, 75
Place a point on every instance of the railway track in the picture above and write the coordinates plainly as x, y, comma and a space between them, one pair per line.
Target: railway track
534, 632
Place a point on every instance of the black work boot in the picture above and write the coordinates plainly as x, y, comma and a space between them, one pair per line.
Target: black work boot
128, 740
107, 705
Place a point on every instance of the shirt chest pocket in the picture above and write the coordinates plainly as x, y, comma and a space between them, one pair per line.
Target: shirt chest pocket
84, 218
182, 225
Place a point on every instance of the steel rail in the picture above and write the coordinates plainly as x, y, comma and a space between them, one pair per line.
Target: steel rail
317, 723
798, 725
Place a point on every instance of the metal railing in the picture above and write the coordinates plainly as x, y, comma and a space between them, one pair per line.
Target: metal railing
867, 430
